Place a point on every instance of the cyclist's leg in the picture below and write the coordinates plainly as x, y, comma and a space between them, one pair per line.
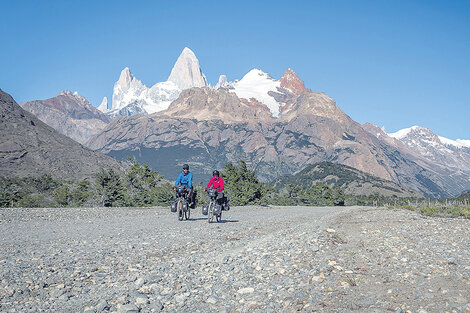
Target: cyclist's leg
190, 196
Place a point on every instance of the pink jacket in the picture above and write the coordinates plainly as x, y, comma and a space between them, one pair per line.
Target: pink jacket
216, 182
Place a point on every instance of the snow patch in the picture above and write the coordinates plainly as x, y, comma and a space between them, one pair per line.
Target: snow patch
459, 143
403, 132
450, 142
464, 142
256, 84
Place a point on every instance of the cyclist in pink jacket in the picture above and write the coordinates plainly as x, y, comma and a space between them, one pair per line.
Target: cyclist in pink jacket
216, 182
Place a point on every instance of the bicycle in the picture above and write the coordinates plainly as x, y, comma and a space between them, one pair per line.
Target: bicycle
182, 206
212, 193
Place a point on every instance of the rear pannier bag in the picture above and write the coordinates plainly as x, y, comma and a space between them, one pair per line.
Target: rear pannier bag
226, 205
173, 206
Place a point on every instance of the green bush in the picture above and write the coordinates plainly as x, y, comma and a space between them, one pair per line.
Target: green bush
32, 201
110, 189
62, 195
241, 184
162, 194
82, 194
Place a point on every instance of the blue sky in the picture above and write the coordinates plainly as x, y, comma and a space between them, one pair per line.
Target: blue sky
391, 63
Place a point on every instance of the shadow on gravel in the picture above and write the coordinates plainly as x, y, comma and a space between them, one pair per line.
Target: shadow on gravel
205, 219
228, 221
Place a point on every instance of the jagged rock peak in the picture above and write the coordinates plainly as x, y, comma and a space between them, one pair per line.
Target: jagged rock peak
290, 80
103, 107
76, 95
186, 72
125, 78
223, 83
68, 93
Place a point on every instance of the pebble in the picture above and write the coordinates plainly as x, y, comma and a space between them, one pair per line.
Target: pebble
127, 308
246, 290
211, 300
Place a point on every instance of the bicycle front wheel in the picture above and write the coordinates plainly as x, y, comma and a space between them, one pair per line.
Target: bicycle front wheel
179, 207
187, 214
210, 212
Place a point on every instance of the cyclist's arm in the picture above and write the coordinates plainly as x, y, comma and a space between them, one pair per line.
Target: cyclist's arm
178, 180
209, 184
190, 180
221, 187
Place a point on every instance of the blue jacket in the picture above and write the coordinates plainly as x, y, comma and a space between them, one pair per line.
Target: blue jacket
185, 180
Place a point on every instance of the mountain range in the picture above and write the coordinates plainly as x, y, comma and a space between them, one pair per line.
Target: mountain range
277, 125
70, 114
29, 147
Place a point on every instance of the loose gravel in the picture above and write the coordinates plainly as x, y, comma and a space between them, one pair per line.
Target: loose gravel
258, 259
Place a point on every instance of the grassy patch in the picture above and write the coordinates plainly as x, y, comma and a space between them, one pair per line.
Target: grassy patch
441, 211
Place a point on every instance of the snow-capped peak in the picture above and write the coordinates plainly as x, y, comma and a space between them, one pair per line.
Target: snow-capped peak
435, 148
402, 133
129, 91
186, 72
256, 74
424, 138
257, 84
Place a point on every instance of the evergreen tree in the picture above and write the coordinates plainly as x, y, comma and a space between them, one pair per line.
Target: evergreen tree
62, 195
241, 184
144, 186
110, 188
81, 194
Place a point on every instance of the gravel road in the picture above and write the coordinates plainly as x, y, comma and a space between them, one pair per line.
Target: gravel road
262, 259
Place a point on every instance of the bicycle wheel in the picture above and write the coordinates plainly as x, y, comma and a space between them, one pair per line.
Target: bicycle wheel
187, 213
179, 207
210, 212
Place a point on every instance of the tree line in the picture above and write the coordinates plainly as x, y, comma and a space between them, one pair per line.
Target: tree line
140, 186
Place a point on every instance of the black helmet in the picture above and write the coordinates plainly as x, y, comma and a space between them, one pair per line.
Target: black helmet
185, 167
215, 172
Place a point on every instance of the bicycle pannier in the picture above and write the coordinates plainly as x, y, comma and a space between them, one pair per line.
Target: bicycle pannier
173, 206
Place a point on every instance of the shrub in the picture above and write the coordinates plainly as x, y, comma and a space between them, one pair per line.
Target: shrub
110, 188
241, 184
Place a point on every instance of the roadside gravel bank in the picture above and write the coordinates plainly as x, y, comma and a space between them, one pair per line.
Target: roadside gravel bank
258, 259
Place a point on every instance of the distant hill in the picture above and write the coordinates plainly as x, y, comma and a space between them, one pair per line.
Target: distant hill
70, 114
29, 147
351, 180
465, 194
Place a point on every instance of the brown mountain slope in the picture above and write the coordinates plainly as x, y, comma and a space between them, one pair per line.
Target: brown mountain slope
349, 179
207, 128
70, 114
445, 173
28, 147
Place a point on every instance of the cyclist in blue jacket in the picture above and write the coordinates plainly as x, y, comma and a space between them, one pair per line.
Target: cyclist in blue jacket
185, 178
